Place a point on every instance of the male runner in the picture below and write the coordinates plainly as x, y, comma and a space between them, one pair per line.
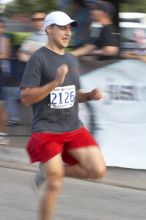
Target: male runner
51, 84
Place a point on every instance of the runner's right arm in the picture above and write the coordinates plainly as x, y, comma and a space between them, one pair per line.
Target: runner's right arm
34, 95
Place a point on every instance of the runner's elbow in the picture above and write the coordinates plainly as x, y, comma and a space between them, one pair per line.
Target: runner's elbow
25, 98
25, 101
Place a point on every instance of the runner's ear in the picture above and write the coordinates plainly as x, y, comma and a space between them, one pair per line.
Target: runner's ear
48, 29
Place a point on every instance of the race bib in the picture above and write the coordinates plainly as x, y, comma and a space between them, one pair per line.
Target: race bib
62, 97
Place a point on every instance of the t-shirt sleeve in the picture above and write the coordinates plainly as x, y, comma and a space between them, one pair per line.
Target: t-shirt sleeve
32, 73
107, 37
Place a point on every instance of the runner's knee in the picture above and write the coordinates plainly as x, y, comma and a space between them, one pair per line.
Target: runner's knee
97, 172
54, 181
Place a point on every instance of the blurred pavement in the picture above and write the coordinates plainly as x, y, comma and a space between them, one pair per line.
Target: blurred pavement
78, 200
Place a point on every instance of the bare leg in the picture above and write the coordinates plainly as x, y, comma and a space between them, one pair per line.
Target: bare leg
3, 118
3, 128
76, 171
54, 172
91, 164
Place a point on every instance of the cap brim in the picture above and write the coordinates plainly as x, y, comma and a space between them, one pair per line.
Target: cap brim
74, 24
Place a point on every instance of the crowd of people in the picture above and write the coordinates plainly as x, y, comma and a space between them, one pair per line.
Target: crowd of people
50, 83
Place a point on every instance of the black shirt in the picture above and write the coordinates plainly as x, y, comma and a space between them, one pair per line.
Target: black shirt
107, 37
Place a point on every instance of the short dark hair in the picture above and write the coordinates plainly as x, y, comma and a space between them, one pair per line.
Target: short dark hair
38, 11
81, 3
104, 6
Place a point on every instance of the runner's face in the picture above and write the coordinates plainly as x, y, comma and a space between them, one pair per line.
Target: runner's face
61, 35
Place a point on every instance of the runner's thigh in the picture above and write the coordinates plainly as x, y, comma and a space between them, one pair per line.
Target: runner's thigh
88, 157
54, 166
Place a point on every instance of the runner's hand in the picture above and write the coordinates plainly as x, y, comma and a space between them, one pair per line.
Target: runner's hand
61, 73
95, 94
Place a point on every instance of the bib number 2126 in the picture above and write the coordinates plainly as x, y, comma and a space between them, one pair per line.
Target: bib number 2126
62, 97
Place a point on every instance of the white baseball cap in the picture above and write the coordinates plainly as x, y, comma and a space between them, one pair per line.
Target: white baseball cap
59, 18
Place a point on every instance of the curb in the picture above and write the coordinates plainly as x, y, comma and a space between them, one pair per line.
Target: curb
13, 154
18, 166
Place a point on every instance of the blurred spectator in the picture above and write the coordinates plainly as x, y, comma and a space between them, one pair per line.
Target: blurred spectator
106, 43
37, 39
8, 93
140, 39
13, 107
81, 13
3, 119
4, 70
139, 52
4, 49
62, 4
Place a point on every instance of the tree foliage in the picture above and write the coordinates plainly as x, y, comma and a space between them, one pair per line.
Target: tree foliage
28, 6
133, 6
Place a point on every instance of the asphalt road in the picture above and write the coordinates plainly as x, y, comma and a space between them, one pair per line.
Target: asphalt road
79, 200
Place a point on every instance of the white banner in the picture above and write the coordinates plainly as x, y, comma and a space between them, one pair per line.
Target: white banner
119, 119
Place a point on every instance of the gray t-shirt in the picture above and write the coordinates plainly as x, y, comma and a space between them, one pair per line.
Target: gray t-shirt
58, 112
34, 42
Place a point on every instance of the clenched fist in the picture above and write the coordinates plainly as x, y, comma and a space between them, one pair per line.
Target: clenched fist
95, 94
61, 73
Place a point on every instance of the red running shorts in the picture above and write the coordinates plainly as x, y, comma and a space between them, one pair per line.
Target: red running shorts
44, 146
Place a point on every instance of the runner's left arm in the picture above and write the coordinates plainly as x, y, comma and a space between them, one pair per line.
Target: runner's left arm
94, 94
